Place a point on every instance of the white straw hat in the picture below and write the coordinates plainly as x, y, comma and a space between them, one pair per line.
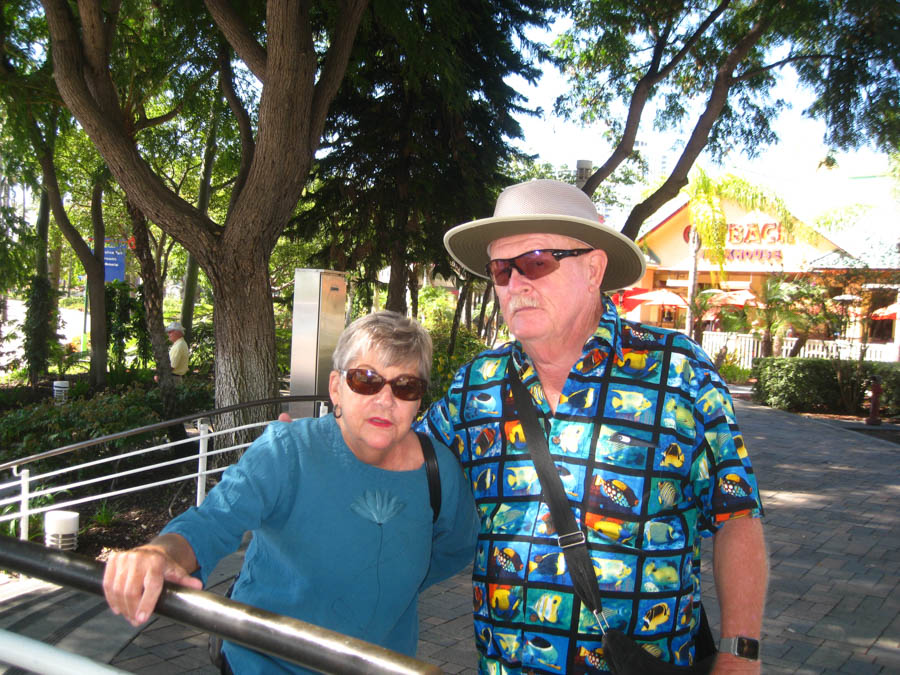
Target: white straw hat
551, 207
175, 325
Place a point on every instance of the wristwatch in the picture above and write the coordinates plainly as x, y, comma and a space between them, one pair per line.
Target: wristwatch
740, 646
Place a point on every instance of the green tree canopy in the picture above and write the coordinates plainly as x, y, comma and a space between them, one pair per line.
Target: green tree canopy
417, 134
715, 62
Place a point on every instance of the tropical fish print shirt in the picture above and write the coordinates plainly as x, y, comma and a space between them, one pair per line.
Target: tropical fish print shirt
649, 453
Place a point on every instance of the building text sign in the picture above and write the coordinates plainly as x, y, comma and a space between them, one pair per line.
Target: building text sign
755, 234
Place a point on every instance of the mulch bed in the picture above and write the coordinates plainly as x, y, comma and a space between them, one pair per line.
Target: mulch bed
890, 433
137, 518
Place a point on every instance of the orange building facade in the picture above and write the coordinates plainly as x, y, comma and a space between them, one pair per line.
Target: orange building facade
756, 247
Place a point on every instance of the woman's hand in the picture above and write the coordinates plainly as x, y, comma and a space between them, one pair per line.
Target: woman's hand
133, 580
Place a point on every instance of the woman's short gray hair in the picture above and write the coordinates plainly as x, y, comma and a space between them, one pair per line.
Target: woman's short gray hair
396, 338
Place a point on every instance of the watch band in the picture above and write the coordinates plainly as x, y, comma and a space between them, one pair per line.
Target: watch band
740, 646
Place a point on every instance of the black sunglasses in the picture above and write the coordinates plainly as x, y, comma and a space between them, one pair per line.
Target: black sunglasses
368, 383
531, 265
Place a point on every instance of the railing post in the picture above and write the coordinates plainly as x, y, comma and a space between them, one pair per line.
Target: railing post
23, 504
203, 428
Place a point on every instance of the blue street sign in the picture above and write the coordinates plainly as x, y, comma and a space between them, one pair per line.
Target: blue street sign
114, 263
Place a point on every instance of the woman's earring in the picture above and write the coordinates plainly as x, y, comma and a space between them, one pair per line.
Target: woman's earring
338, 413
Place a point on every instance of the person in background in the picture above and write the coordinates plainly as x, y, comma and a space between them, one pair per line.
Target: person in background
339, 508
179, 354
643, 434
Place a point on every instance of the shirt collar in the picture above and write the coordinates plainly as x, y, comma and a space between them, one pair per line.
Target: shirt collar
606, 338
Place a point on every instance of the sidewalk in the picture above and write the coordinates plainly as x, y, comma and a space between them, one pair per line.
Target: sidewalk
833, 534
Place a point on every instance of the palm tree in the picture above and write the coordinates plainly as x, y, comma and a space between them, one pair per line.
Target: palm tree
707, 217
775, 310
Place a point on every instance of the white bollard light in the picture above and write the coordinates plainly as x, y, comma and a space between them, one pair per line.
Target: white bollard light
60, 391
61, 530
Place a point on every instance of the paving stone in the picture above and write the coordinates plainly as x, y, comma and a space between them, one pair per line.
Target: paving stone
799, 651
889, 658
828, 657
857, 666
135, 664
164, 668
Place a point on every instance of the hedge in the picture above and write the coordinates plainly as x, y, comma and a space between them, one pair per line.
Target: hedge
824, 385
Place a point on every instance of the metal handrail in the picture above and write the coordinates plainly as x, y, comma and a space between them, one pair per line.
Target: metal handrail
283, 637
156, 426
34, 656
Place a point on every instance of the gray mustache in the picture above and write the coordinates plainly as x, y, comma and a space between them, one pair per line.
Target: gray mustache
522, 302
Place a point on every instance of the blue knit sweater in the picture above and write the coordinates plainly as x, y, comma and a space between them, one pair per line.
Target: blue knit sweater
336, 542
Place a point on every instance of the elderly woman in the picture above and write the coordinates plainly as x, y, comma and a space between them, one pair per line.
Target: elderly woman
339, 509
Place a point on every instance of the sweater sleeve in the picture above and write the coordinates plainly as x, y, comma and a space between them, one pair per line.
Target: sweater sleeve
457, 526
259, 488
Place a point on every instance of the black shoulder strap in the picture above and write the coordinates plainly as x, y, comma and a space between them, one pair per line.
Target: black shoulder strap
433, 472
571, 538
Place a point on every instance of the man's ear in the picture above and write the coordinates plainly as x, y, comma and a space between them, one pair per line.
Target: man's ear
597, 261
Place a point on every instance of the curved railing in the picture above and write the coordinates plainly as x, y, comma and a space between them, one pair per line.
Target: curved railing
283, 637
157, 426
21, 488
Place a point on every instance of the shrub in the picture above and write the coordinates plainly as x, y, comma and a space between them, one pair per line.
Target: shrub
44, 426
203, 346
890, 385
814, 385
444, 367
16, 397
734, 374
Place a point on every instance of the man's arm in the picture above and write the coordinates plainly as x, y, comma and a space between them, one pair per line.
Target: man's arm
741, 570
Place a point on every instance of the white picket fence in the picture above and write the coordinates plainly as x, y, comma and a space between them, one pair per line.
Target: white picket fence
745, 347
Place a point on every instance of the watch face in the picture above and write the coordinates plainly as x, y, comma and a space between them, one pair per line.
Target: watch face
747, 648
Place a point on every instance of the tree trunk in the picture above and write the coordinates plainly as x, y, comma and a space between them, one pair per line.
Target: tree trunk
457, 315
802, 339
42, 267
54, 271
153, 305
767, 343
485, 298
656, 72
245, 367
92, 261
42, 226
718, 99
493, 323
296, 92
189, 296
95, 270
396, 297
189, 288
413, 283
694, 246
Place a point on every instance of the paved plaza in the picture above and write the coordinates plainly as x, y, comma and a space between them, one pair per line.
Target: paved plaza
833, 532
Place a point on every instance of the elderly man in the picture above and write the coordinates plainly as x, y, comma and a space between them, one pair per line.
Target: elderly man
178, 352
642, 431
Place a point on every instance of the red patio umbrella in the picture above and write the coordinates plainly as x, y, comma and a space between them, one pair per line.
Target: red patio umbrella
886, 313
626, 298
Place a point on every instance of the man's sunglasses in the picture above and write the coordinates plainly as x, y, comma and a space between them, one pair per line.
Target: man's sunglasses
368, 383
531, 265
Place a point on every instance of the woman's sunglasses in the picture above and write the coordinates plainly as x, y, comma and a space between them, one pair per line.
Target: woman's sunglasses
368, 383
531, 265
